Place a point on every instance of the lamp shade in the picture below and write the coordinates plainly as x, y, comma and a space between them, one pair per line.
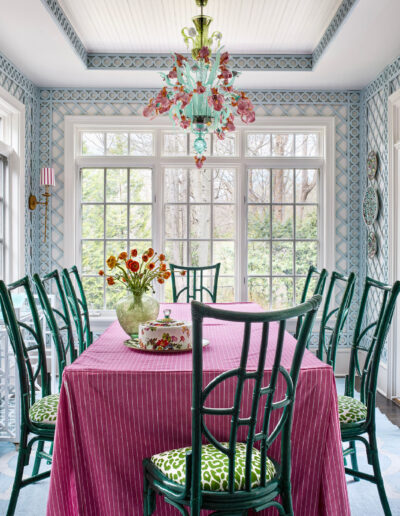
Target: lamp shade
47, 177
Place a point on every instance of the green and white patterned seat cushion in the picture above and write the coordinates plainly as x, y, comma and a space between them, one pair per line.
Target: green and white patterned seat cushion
45, 410
214, 467
351, 410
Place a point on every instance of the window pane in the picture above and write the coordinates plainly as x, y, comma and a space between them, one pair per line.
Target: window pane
93, 144
282, 221
226, 289
307, 144
140, 221
258, 145
224, 185
200, 253
114, 293
282, 258
116, 185
224, 221
174, 144
176, 252
282, 186
200, 221
282, 293
140, 185
141, 144
306, 222
94, 292
175, 185
92, 256
258, 291
114, 247
200, 185
306, 255
92, 185
116, 221
258, 222
175, 221
282, 145
258, 259
306, 185
259, 185
224, 252
225, 147
117, 144
92, 221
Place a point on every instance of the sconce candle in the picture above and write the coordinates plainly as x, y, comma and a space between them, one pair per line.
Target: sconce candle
47, 179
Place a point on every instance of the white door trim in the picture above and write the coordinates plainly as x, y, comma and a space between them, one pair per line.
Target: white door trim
393, 369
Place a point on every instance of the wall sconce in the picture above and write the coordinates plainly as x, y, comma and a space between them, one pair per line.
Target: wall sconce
47, 179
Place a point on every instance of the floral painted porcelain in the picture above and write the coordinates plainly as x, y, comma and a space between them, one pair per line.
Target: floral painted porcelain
372, 164
165, 334
370, 206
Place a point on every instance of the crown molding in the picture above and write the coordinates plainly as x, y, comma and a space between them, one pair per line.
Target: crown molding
241, 62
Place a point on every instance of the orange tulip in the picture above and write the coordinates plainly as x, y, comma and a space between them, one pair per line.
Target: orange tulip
123, 256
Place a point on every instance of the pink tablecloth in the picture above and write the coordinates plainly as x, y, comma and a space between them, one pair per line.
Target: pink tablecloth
118, 406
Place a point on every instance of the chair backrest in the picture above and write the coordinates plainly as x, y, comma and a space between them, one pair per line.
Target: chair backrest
334, 317
53, 315
261, 411
369, 337
78, 306
320, 277
30, 351
195, 282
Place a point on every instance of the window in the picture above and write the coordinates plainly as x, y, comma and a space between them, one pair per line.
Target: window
262, 206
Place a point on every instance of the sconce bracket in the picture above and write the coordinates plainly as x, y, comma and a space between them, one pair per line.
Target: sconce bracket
32, 203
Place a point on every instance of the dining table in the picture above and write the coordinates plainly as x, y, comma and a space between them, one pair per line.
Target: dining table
119, 405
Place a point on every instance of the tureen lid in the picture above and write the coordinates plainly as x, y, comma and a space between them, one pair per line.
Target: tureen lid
166, 320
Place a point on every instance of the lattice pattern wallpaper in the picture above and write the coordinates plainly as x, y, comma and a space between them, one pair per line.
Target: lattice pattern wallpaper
55, 104
375, 137
13, 81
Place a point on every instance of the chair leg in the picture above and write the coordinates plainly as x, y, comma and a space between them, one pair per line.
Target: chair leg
353, 455
38, 459
18, 475
378, 475
149, 498
287, 502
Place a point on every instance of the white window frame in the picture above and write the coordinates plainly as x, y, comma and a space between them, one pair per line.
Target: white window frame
12, 145
74, 125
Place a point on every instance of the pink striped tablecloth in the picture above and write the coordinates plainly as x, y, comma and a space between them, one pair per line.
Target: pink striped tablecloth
118, 406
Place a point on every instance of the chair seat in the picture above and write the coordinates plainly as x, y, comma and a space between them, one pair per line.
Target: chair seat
351, 410
214, 467
45, 410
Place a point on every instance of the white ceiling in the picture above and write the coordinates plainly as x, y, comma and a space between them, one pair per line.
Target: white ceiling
247, 26
367, 41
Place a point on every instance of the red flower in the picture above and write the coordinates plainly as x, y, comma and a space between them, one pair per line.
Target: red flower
183, 273
185, 122
101, 272
162, 257
216, 100
179, 59
172, 74
123, 256
150, 266
200, 88
150, 252
132, 265
110, 280
145, 258
134, 252
183, 97
150, 109
163, 267
160, 280
224, 59
204, 53
199, 161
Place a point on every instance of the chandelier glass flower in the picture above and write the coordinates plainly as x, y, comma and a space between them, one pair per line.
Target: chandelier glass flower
200, 97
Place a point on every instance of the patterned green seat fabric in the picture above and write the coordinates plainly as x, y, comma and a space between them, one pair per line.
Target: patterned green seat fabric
351, 410
214, 467
45, 410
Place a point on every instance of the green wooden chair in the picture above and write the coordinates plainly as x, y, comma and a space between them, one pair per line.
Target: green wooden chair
357, 417
195, 277
38, 416
53, 315
78, 306
320, 277
330, 334
182, 476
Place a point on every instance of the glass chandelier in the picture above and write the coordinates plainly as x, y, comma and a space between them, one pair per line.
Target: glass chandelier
200, 97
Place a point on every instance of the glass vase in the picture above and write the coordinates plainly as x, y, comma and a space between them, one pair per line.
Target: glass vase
134, 310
